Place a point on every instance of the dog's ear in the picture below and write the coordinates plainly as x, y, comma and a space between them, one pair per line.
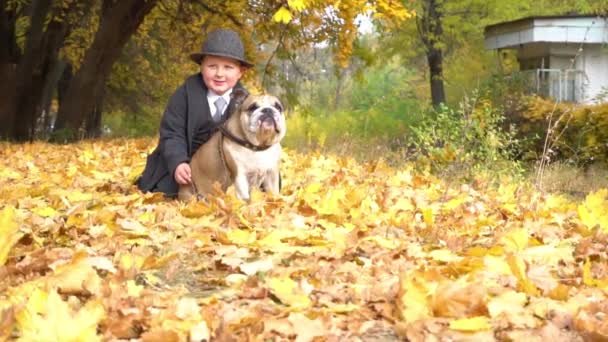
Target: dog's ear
278, 105
239, 95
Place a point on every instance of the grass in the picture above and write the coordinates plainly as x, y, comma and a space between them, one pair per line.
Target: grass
559, 177
572, 180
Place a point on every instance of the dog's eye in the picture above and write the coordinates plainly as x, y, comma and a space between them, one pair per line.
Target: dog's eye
278, 106
253, 107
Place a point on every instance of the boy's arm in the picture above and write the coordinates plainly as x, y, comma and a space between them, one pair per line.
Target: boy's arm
173, 142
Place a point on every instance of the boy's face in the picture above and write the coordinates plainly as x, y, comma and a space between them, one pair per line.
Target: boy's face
221, 73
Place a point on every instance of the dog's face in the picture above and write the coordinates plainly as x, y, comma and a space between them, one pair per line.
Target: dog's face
262, 119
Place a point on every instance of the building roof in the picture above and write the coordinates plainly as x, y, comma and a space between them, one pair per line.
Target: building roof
585, 29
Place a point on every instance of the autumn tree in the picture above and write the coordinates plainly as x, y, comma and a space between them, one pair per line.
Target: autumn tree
27, 71
51, 27
445, 26
119, 19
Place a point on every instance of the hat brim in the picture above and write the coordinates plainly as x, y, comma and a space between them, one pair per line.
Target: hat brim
198, 57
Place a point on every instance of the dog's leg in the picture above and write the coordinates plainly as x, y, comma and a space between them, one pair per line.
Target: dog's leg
271, 182
241, 186
185, 193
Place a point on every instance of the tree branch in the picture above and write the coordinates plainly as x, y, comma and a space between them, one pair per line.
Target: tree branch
220, 12
267, 67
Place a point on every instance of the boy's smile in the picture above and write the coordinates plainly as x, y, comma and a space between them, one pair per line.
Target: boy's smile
220, 73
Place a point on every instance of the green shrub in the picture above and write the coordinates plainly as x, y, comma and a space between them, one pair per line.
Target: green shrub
579, 132
377, 109
120, 124
465, 140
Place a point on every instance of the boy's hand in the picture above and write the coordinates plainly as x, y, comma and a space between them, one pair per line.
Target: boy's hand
183, 174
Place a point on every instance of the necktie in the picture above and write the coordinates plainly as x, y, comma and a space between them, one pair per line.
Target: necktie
220, 103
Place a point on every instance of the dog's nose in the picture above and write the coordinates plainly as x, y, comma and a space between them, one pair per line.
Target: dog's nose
267, 111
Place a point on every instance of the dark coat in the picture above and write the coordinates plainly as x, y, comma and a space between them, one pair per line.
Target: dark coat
187, 112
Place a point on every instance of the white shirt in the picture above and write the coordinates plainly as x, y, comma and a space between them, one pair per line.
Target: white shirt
212, 96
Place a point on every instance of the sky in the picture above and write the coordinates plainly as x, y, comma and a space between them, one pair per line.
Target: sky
365, 24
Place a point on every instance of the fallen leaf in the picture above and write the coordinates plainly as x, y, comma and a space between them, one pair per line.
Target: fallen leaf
9, 233
288, 292
472, 324
306, 329
251, 268
200, 332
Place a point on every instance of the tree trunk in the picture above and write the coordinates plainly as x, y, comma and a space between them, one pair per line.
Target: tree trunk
48, 93
435, 60
9, 51
8, 73
119, 21
22, 101
430, 28
340, 75
64, 82
9, 58
43, 76
93, 121
27, 85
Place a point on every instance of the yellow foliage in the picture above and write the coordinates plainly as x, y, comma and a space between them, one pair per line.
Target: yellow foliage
584, 127
594, 211
471, 324
413, 301
288, 292
282, 16
391, 12
9, 232
83, 249
47, 318
515, 240
298, 5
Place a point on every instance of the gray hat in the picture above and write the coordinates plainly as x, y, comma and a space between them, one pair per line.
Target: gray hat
222, 43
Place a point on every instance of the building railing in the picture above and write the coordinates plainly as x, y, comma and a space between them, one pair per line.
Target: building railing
562, 85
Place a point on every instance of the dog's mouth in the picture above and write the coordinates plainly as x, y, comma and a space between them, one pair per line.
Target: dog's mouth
267, 121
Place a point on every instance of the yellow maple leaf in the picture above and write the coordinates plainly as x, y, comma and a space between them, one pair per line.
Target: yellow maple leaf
515, 240
46, 317
594, 211
497, 264
45, 211
129, 261
551, 254
518, 267
297, 5
305, 328
383, 242
587, 275
509, 301
444, 255
274, 238
155, 262
428, 216
9, 233
339, 237
134, 290
331, 203
413, 300
282, 16
472, 324
10, 174
288, 292
76, 277
195, 209
78, 196
241, 236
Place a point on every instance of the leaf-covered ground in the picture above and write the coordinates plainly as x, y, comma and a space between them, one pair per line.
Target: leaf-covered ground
349, 251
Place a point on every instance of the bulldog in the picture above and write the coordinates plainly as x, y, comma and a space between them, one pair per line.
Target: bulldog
245, 151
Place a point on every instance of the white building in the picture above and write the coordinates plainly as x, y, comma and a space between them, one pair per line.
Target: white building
563, 57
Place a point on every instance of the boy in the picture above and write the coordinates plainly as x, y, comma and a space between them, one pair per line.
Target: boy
194, 111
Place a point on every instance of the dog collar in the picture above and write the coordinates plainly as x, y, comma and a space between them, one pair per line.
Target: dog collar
240, 141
